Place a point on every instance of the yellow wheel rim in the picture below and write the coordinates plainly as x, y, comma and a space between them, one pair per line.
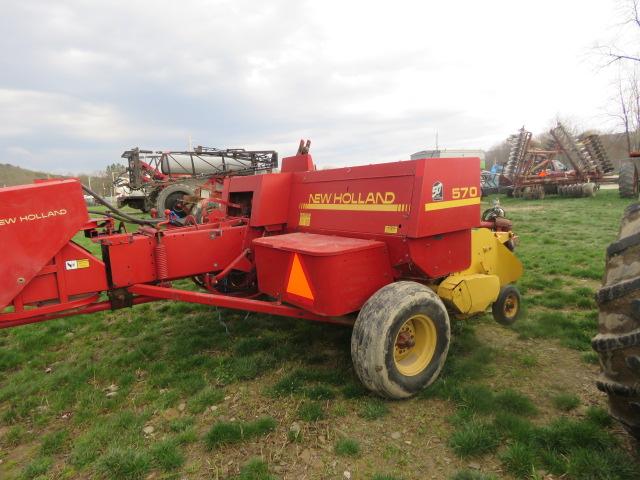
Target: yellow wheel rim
511, 306
415, 345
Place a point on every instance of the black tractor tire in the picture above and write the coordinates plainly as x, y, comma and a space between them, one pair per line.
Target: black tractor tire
508, 306
169, 195
628, 180
400, 312
618, 339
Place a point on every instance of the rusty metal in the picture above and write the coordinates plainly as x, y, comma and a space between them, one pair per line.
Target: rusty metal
536, 171
405, 340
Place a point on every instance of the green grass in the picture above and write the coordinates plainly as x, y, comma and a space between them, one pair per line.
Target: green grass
310, 412
167, 455
255, 469
519, 460
36, 468
204, 399
513, 426
347, 447
124, 464
474, 438
14, 436
223, 433
514, 402
54, 378
560, 447
472, 475
54, 442
599, 416
373, 408
563, 256
313, 382
566, 401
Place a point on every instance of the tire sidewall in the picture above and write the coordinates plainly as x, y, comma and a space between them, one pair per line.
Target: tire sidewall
498, 306
170, 190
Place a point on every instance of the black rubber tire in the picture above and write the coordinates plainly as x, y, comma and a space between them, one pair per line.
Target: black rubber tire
508, 292
168, 196
375, 331
618, 339
628, 181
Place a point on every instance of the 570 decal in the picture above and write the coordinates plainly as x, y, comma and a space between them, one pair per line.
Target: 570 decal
460, 197
464, 192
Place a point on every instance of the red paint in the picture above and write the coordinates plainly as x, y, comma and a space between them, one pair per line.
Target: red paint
29, 241
353, 230
342, 272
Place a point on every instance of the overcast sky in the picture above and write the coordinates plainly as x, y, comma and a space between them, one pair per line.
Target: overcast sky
367, 81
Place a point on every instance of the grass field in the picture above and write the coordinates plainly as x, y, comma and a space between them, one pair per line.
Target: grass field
173, 390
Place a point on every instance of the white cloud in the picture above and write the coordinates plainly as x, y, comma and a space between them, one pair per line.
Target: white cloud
366, 80
27, 113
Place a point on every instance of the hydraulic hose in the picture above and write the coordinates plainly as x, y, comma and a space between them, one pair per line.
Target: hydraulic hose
120, 213
107, 214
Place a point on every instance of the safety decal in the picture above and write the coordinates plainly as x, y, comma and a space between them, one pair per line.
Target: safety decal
76, 264
305, 219
298, 283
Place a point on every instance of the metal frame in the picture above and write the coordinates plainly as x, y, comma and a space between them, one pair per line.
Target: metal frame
146, 166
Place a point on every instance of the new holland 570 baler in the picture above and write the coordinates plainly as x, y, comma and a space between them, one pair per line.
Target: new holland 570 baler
388, 248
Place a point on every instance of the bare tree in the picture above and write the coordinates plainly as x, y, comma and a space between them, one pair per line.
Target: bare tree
498, 154
628, 90
615, 54
624, 113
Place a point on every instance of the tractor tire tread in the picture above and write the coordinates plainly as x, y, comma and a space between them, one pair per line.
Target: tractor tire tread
623, 244
618, 340
616, 388
617, 290
626, 181
610, 342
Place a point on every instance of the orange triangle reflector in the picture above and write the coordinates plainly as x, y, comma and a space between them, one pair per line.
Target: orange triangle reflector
298, 284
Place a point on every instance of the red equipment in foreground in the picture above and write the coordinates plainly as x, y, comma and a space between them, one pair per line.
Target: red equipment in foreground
318, 245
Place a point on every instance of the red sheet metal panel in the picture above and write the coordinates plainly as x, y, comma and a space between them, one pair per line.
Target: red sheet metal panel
338, 273
74, 271
373, 199
36, 221
190, 251
422, 209
269, 196
447, 196
440, 255
414, 199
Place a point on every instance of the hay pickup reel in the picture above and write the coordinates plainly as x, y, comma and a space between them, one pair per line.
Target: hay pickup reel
391, 249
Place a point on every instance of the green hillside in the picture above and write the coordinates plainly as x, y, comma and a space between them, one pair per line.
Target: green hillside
12, 175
